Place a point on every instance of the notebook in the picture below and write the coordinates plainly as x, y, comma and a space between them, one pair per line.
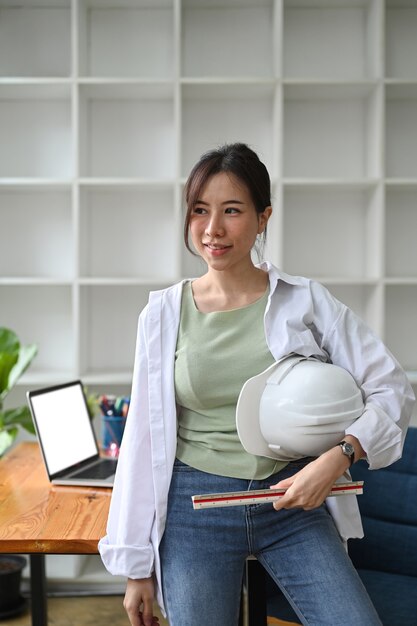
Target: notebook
67, 439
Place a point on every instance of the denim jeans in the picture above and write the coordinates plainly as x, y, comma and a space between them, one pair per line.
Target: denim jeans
203, 554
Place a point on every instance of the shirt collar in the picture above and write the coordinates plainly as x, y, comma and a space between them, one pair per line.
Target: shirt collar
276, 274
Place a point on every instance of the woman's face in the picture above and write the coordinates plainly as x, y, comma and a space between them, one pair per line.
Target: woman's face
224, 223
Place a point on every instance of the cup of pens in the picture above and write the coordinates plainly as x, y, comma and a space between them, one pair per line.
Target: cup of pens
114, 412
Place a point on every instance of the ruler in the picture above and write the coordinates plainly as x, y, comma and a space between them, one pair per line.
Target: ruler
238, 498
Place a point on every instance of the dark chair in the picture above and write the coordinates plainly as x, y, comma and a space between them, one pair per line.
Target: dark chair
386, 558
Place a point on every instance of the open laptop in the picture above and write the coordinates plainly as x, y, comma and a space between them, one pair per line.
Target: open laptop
67, 439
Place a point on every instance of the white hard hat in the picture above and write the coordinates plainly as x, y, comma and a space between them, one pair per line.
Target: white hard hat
297, 407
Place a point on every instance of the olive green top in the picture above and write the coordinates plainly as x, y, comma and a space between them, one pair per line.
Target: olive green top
216, 353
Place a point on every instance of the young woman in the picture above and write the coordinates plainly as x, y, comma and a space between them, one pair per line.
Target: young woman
198, 342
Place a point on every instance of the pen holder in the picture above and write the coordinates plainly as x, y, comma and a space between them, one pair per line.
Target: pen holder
113, 427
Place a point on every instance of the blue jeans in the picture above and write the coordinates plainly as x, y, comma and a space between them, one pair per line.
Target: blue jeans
203, 554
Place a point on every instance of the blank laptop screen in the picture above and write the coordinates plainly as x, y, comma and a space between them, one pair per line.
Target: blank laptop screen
64, 427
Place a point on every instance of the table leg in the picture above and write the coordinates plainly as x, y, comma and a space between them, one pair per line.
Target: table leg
38, 590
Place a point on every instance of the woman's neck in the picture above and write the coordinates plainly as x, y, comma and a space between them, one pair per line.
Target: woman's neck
222, 291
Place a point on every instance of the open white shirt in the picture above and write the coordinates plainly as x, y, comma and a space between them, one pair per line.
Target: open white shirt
301, 317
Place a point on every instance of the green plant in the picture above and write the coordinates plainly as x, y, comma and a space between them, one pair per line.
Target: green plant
14, 360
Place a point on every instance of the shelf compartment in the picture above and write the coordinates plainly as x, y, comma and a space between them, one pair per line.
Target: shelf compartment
39, 223
213, 115
364, 300
35, 126
133, 39
35, 38
118, 234
332, 40
332, 131
127, 131
400, 331
42, 315
401, 39
228, 39
332, 232
401, 232
109, 316
401, 131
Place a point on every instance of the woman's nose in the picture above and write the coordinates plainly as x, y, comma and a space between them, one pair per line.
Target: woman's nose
214, 227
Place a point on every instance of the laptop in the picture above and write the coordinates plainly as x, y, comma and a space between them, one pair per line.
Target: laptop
67, 439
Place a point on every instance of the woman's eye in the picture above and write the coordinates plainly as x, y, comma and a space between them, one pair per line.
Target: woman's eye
232, 209
198, 210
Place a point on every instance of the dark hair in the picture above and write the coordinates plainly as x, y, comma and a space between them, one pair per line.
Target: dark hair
239, 160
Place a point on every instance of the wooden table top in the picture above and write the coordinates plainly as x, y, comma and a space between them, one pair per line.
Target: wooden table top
37, 517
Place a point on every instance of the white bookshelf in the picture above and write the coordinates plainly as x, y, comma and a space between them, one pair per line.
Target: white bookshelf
104, 107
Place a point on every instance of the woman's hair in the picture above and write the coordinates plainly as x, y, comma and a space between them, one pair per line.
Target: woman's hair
237, 159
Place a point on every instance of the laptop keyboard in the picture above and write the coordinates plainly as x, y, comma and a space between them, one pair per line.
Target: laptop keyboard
104, 469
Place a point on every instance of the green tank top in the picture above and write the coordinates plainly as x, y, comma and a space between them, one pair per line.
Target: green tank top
215, 354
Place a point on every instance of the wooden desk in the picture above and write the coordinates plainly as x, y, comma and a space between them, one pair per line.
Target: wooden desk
38, 518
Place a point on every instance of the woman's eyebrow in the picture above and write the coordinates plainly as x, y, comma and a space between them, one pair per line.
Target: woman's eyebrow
225, 202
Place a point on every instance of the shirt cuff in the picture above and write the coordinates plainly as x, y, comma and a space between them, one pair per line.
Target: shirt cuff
129, 561
379, 436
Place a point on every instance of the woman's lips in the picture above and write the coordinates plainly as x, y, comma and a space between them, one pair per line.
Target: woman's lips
216, 250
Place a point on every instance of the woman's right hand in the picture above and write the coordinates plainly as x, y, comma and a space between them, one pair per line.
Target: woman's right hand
138, 602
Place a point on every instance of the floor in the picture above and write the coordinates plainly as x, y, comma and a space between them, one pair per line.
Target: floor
93, 611
82, 611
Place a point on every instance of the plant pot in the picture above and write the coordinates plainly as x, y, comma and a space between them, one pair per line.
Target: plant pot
11, 602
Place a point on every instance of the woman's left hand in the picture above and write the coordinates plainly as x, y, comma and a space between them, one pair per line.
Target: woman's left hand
308, 488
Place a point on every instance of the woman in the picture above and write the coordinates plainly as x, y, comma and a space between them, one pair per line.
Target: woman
198, 342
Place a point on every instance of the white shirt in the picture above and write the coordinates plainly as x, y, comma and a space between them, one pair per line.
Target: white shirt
301, 317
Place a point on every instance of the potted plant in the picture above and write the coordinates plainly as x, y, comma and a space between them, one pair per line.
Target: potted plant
14, 360
11, 601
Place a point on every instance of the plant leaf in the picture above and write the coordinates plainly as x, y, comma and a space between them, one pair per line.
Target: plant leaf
14, 359
26, 355
6, 440
18, 417
9, 341
7, 362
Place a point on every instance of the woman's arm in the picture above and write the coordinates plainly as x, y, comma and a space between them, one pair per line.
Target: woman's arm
387, 394
378, 434
126, 550
309, 487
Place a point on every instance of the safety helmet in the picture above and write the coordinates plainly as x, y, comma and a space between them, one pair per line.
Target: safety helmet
297, 407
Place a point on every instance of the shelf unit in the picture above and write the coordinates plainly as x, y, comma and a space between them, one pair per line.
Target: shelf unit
106, 105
